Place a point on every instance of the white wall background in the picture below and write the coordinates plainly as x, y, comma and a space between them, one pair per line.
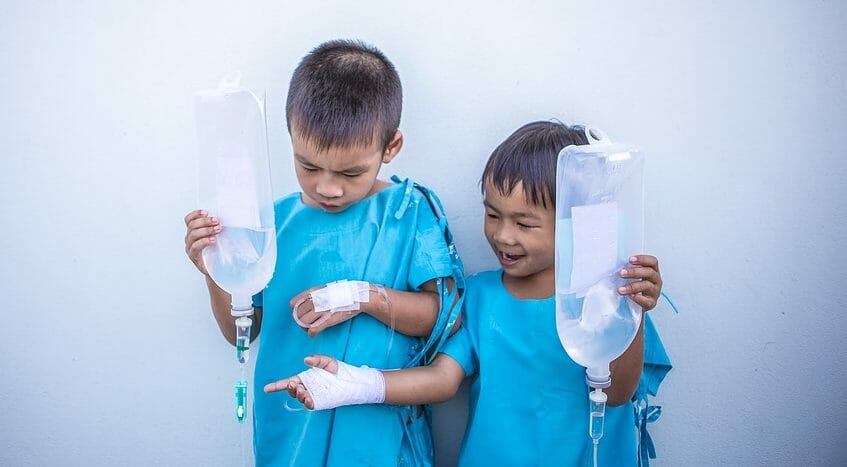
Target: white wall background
111, 357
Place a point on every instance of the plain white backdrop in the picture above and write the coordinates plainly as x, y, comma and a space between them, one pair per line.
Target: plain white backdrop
111, 356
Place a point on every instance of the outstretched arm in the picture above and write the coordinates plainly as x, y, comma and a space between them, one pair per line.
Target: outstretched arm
437, 382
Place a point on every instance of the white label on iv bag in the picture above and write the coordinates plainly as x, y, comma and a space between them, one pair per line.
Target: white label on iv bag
595, 244
236, 201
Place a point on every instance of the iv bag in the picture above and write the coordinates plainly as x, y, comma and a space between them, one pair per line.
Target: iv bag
599, 225
235, 187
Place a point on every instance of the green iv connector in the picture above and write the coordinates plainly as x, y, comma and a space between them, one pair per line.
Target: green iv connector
241, 401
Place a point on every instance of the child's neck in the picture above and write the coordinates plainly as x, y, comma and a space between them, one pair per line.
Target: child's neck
535, 287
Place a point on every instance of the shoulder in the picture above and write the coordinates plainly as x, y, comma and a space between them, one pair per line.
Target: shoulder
410, 197
485, 280
285, 206
287, 202
482, 287
482, 294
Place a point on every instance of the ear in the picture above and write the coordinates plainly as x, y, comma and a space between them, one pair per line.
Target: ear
393, 147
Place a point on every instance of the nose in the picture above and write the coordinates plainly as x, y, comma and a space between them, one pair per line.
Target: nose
328, 187
504, 234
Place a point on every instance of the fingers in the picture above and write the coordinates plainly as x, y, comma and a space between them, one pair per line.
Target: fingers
329, 320
281, 385
200, 231
306, 316
201, 228
649, 261
197, 213
294, 387
643, 292
646, 286
302, 295
302, 395
646, 302
314, 322
642, 287
641, 273
324, 362
326, 320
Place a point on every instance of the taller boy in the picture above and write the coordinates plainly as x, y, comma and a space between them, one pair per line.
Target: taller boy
343, 115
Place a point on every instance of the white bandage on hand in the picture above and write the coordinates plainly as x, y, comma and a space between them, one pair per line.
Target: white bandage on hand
337, 297
341, 295
352, 385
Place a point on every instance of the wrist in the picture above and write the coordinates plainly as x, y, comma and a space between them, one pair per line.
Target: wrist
378, 303
350, 385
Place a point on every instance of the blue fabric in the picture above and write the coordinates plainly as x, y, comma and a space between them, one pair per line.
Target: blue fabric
451, 296
657, 364
528, 399
392, 238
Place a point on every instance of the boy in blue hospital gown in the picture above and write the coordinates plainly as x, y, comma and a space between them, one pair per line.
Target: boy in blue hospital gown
343, 114
528, 399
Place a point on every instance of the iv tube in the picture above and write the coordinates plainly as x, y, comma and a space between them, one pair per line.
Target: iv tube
597, 378
242, 339
597, 412
243, 326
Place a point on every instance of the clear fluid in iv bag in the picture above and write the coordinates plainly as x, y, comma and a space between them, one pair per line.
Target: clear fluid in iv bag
603, 330
241, 261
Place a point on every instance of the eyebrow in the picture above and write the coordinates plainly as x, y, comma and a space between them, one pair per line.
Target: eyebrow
354, 169
520, 214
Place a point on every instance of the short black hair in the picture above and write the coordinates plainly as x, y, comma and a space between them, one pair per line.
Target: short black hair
344, 93
529, 156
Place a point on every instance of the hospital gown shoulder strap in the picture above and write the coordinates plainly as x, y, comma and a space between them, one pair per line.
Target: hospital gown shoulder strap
450, 297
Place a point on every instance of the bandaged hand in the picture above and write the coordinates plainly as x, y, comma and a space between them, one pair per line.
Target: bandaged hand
330, 383
321, 307
646, 287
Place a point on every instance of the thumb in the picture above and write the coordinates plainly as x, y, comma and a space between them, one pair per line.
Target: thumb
323, 362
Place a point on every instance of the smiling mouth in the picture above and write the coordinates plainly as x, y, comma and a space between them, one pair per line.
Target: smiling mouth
508, 260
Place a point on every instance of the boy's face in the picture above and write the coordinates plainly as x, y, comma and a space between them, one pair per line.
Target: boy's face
522, 236
338, 177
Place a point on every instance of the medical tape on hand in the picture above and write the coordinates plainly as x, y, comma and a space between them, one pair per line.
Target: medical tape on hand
341, 295
350, 386
338, 296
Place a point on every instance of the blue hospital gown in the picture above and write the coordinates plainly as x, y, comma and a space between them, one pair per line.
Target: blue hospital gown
528, 399
391, 238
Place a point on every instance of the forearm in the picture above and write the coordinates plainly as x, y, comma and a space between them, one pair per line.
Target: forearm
626, 370
411, 313
437, 382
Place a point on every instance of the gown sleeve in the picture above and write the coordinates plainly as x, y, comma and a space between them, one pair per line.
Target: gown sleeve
460, 348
